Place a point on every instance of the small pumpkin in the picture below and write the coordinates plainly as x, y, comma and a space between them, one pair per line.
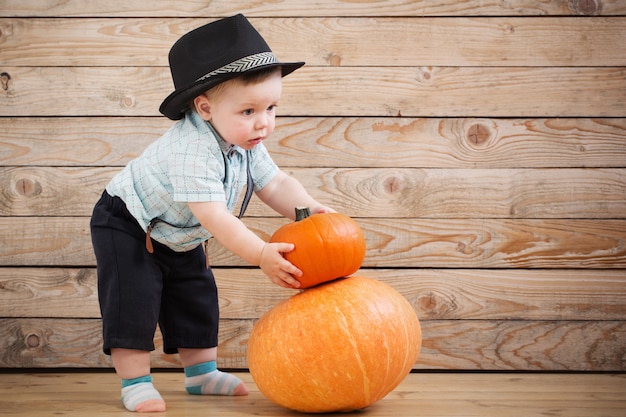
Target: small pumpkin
338, 347
327, 246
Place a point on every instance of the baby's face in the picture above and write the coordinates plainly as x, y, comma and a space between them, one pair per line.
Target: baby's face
244, 115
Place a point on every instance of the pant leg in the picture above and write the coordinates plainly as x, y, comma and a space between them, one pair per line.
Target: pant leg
189, 310
129, 281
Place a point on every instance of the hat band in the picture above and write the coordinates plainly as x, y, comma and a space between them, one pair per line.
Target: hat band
244, 64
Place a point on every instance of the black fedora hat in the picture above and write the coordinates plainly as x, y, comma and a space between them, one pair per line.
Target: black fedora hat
212, 54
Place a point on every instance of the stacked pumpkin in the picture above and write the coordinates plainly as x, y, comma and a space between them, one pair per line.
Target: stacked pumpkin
343, 343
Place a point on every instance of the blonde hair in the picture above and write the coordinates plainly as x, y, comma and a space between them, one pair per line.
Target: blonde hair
247, 78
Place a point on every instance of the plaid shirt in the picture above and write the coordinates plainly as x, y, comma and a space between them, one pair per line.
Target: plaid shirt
189, 163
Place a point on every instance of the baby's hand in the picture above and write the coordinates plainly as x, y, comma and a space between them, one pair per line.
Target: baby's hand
279, 270
323, 209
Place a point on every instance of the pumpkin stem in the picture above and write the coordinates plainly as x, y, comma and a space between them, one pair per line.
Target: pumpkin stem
302, 213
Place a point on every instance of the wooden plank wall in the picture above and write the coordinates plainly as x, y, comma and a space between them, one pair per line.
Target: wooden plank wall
481, 145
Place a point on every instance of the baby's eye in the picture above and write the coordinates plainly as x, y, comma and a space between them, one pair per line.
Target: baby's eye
248, 112
271, 108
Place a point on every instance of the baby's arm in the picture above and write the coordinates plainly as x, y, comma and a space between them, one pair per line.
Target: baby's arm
284, 193
235, 236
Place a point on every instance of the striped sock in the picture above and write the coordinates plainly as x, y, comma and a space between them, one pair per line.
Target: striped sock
205, 378
139, 395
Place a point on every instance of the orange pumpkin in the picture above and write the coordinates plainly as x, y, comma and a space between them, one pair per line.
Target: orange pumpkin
327, 246
338, 347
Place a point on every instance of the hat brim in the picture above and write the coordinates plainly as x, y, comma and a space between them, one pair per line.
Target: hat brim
175, 105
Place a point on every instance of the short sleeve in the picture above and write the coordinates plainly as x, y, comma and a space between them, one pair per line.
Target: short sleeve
197, 174
262, 166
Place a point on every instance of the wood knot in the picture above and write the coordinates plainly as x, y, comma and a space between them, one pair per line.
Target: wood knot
83, 277
427, 302
33, 341
508, 28
478, 134
434, 305
27, 187
464, 248
5, 77
334, 59
392, 185
586, 7
424, 74
128, 101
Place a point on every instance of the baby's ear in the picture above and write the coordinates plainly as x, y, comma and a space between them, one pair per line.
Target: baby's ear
203, 107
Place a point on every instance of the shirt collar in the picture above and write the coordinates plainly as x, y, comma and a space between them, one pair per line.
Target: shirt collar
225, 147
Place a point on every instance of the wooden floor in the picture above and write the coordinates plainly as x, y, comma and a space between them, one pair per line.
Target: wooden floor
421, 394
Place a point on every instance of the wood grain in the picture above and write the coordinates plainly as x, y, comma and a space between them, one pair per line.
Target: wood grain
479, 144
435, 294
447, 344
439, 394
543, 345
49, 292
166, 8
345, 41
391, 243
337, 142
365, 192
337, 91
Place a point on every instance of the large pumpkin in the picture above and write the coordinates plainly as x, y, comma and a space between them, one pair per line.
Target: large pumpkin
327, 246
340, 346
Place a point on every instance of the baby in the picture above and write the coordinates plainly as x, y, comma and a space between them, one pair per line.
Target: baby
150, 227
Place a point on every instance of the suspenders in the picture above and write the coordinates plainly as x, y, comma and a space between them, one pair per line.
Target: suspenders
242, 209
249, 187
